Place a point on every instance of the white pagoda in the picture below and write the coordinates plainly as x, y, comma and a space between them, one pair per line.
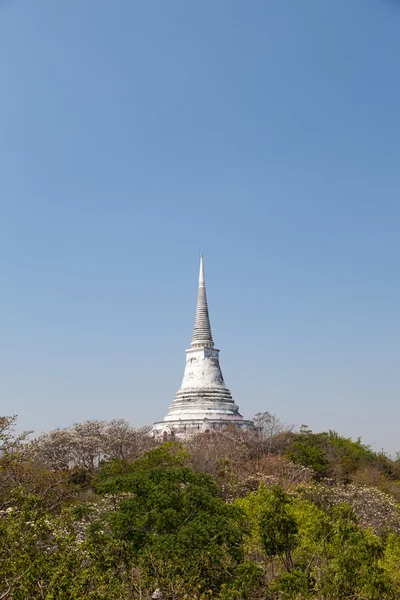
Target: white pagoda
203, 401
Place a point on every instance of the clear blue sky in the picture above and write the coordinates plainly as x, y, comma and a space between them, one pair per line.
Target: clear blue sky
265, 134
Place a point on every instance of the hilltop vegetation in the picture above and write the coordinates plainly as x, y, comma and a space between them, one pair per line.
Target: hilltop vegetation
103, 511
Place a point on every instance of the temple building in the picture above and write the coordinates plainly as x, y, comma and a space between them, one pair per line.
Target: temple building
203, 401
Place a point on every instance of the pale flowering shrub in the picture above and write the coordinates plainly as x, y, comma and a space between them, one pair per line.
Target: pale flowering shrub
86, 445
274, 470
222, 454
373, 508
285, 471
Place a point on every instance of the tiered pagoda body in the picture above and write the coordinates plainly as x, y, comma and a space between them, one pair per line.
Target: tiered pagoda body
203, 401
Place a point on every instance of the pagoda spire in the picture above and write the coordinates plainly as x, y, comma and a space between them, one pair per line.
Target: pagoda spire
202, 329
203, 401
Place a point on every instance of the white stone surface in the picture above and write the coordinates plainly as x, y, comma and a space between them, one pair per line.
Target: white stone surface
203, 400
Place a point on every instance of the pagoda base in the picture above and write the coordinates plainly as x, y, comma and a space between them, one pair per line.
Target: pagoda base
182, 428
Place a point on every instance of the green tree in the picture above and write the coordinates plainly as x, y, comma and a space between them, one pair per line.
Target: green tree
173, 522
278, 527
330, 454
354, 569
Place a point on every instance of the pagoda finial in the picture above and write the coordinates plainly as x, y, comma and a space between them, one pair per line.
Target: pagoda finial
202, 282
202, 329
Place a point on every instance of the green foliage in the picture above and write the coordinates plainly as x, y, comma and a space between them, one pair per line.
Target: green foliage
173, 521
292, 585
248, 578
391, 563
307, 452
354, 567
329, 454
156, 523
278, 528
315, 550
